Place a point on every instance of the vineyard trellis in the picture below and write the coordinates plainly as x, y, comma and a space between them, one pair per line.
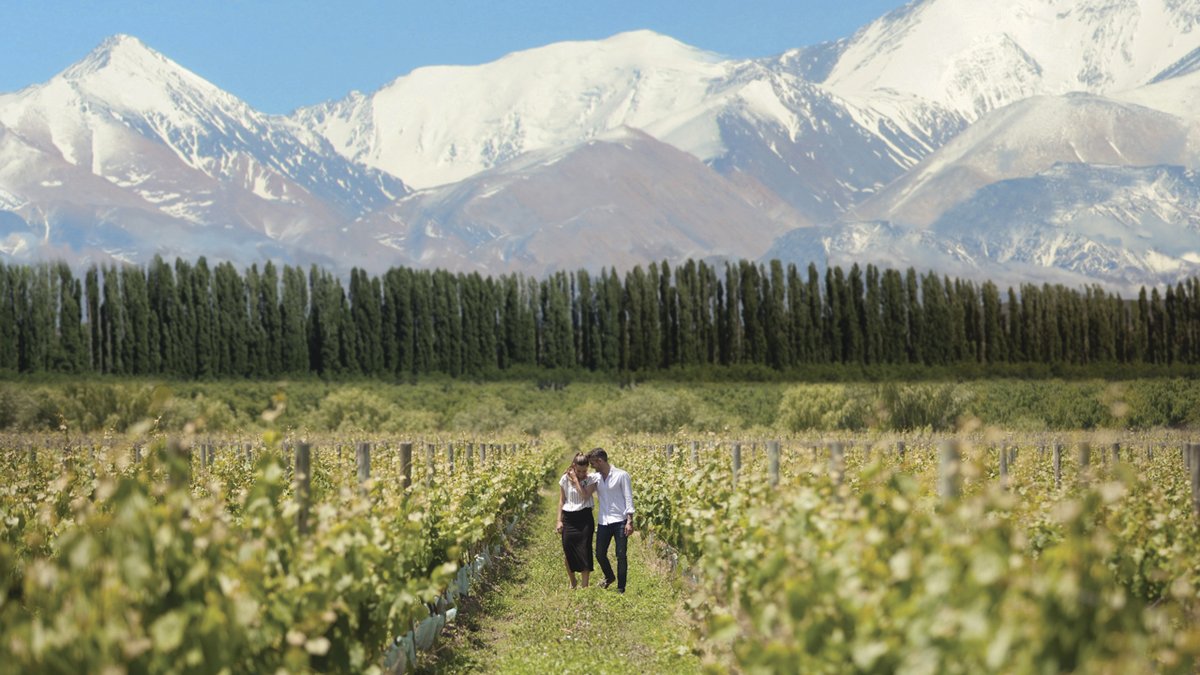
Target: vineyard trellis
309, 557
841, 552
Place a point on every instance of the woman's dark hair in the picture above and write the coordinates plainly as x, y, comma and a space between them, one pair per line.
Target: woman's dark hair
581, 458
598, 453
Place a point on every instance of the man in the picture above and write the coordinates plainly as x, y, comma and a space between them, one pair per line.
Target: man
615, 520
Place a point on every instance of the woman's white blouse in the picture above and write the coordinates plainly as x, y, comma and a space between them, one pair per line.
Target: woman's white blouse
575, 501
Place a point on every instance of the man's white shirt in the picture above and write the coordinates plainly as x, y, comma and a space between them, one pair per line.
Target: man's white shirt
616, 496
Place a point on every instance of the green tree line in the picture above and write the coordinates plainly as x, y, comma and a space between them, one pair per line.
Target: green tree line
191, 320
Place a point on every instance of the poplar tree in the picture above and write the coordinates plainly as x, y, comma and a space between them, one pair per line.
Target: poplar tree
293, 321
95, 340
993, 334
9, 357
270, 316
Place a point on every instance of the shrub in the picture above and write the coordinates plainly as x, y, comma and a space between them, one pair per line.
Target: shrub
920, 406
651, 411
823, 407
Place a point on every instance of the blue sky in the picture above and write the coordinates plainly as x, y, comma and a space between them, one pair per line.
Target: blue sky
278, 55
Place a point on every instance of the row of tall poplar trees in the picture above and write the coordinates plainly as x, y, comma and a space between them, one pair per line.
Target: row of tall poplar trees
191, 320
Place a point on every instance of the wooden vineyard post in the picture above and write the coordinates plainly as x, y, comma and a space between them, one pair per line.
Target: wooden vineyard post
1058, 449
483, 455
33, 454
773, 461
1003, 466
900, 448
470, 457
737, 462
671, 451
137, 454
949, 472
837, 462
430, 453
1085, 460
362, 460
1116, 453
406, 465
1194, 453
450, 459
695, 453
302, 480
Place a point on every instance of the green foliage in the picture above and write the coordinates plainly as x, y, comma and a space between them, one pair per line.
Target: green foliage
922, 406
585, 407
755, 322
349, 409
488, 414
129, 571
872, 574
645, 410
1158, 403
823, 407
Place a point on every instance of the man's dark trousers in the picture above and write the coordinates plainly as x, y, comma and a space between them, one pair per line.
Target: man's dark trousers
604, 535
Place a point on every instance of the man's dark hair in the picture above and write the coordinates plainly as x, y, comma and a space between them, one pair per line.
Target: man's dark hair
598, 453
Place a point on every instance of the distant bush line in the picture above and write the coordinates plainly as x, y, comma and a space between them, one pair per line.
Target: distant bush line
188, 320
580, 409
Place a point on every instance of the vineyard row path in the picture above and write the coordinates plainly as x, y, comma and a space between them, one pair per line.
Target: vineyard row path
526, 618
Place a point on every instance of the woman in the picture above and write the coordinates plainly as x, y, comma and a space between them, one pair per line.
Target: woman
575, 522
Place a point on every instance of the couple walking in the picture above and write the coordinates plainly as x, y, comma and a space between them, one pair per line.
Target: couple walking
612, 488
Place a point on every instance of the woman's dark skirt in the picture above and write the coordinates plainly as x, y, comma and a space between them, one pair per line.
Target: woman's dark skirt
578, 528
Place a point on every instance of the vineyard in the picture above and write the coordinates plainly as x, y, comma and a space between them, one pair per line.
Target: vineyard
240, 556
849, 552
933, 556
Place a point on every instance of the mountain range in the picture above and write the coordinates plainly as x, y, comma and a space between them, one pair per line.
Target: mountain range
1024, 141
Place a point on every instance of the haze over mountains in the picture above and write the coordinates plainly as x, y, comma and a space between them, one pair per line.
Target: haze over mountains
1031, 140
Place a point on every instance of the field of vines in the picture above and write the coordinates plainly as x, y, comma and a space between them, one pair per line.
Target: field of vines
980, 552
917, 554
244, 555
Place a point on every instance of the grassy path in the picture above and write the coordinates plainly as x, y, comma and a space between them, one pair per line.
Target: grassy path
528, 620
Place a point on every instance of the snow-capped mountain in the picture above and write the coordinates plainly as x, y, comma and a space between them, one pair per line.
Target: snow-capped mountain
1026, 138
967, 135
619, 199
974, 56
437, 126
134, 129
1103, 86
1073, 224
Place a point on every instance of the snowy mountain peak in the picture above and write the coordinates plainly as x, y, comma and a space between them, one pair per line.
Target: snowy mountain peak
441, 124
126, 75
120, 51
972, 56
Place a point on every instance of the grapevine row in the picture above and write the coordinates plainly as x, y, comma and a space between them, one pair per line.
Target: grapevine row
816, 556
151, 560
